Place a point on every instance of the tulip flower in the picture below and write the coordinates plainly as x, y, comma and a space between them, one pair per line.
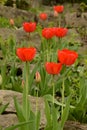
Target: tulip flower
61, 32
26, 54
48, 33
58, 8
29, 26
43, 16
53, 68
67, 57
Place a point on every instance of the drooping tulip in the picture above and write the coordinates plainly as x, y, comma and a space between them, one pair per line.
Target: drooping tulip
67, 57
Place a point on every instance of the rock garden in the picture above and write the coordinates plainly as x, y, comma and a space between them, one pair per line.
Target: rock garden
43, 65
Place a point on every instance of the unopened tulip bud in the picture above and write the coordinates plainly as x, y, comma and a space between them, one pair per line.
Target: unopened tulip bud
37, 77
0, 79
11, 22
23, 82
55, 14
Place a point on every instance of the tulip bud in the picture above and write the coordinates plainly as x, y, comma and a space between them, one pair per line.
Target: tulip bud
55, 14
23, 82
11, 22
37, 77
0, 79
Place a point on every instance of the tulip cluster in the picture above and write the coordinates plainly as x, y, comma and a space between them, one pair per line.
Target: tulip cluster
54, 31
65, 57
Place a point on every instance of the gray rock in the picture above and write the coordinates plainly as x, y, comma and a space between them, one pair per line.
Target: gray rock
73, 21
10, 118
10, 12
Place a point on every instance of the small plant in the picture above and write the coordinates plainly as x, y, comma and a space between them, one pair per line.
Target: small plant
83, 7
4, 22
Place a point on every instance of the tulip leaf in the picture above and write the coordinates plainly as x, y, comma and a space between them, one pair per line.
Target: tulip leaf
3, 107
18, 125
54, 118
65, 112
37, 120
49, 97
19, 110
47, 112
32, 74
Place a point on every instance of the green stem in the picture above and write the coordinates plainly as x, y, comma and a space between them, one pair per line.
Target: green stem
47, 50
63, 88
53, 90
36, 101
36, 110
27, 90
59, 20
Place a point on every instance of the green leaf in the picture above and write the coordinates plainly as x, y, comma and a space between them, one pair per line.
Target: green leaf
3, 107
38, 115
49, 97
48, 127
65, 112
83, 93
47, 112
32, 74
54, 118
19, 110
32, 117
18, 125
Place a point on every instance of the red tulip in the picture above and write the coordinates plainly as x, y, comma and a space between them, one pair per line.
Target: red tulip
67, 57
29, 26
61, 32
59, 8
47, 33
43, 16
53, 68
26, 54
54, 30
